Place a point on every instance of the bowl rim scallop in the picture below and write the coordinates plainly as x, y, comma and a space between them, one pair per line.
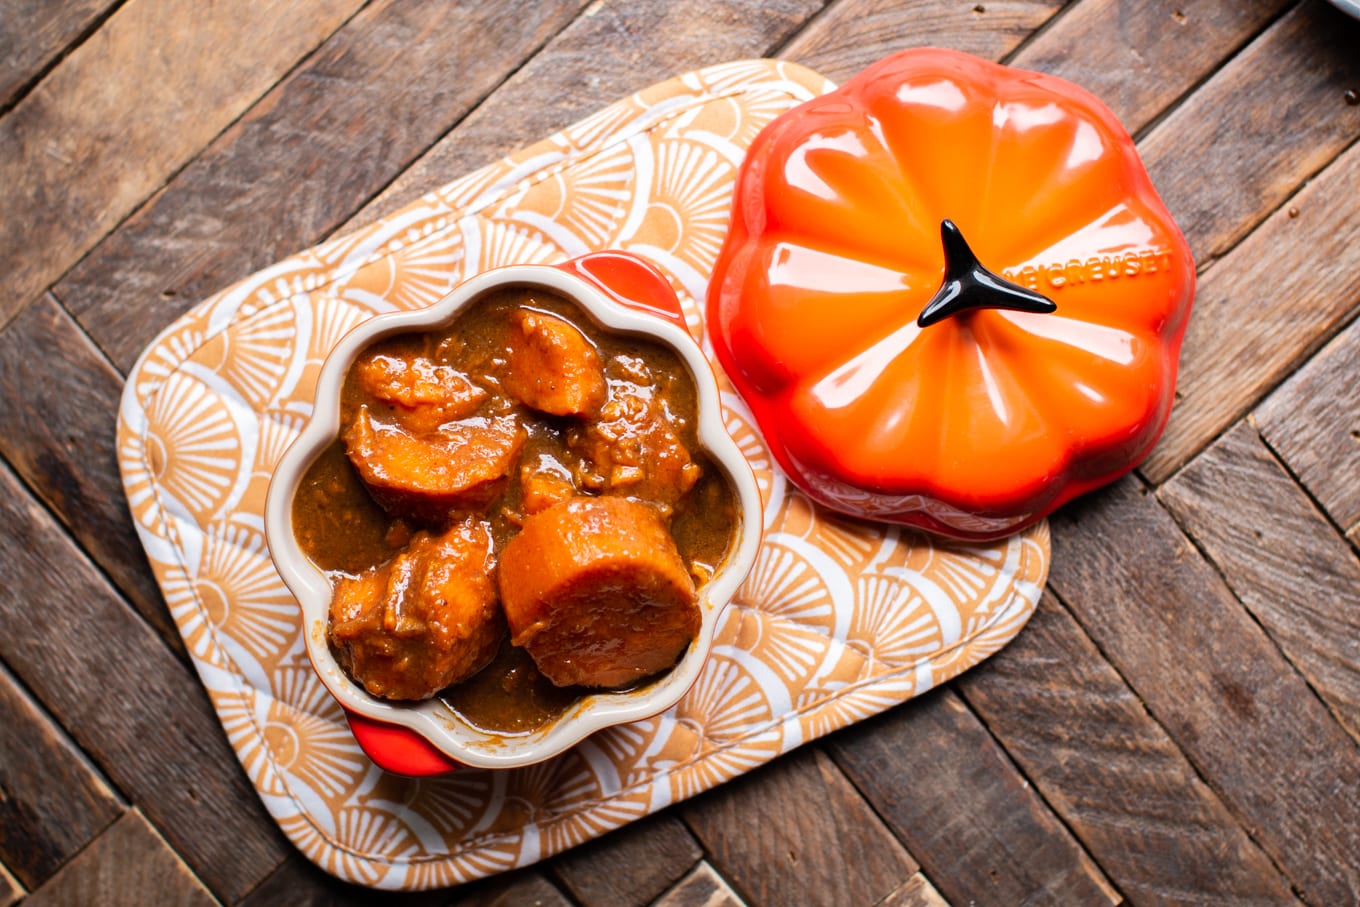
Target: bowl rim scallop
431, 719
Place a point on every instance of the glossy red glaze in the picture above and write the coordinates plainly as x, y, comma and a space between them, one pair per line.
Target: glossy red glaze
397, 749
629, 281
989, 419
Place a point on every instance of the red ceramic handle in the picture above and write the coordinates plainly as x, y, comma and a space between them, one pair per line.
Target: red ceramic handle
630, 281
397, 749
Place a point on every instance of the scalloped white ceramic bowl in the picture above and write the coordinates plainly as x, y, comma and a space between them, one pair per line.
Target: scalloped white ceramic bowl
432, 720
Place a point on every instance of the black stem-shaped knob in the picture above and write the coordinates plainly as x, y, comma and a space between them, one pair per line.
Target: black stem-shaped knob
968, 285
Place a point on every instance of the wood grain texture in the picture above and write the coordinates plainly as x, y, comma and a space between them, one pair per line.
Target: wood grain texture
1258, 153
299, 883
126, 700
1170, 731
58, 433
617, 47
915, 892
633, 865
130, 865
322, 142
948, 791
52, 801
763, 836
518, 889
34, 33
1211, 677
94, 139
702, 887
1313, 422
1282, 559
1261, 310
1139, 58
1119, 782
852, 34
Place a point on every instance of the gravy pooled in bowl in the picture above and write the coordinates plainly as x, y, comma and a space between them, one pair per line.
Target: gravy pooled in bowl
517, 512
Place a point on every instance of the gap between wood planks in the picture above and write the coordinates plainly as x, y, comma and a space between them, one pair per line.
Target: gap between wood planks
1318, 505
450, 158
1249, 38
1225, 801
96, 22
38, 758
381, 188
1015, 764
7, 314
1191, 459
1009, 57
179, 654
1308, 655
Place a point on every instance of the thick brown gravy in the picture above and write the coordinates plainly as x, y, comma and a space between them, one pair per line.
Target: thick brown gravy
345, 531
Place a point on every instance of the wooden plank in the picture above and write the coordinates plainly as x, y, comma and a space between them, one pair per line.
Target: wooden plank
1112, 773
34, 33
853, 34
761, 835
915, 892
1281, 558
702, 887
1140, 57
632, 865
126, 700
1261, 310
525, 887
1313, 422
126, 109
52, 801
572, 77
1211, 677
1258, 150
299, 883
11, 892
57, 424
316, 148
949, 792
127, 866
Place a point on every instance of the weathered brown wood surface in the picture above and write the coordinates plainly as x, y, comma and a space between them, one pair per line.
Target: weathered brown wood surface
1178, 724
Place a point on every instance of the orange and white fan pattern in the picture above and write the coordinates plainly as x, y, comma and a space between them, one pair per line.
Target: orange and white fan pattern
838, 620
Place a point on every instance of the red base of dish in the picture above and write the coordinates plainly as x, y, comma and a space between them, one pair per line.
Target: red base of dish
397, 749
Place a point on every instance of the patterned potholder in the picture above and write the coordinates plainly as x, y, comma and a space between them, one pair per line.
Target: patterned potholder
839, 620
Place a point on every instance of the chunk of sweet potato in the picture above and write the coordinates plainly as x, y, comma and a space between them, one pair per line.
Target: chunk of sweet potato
464, 465
424, 620
553, 368
595, 591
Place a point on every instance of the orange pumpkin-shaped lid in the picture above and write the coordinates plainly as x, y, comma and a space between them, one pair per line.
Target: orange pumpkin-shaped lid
950, 295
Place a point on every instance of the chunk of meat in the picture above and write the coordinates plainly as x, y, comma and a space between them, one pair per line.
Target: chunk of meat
421, 394
544, 481
633, 449
424, 620
540, 490
462, 466
553, 368
595, 591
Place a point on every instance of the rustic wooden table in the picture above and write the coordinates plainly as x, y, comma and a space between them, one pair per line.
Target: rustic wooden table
1177, 724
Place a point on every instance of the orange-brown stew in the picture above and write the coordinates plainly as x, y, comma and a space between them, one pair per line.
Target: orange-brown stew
523, 413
